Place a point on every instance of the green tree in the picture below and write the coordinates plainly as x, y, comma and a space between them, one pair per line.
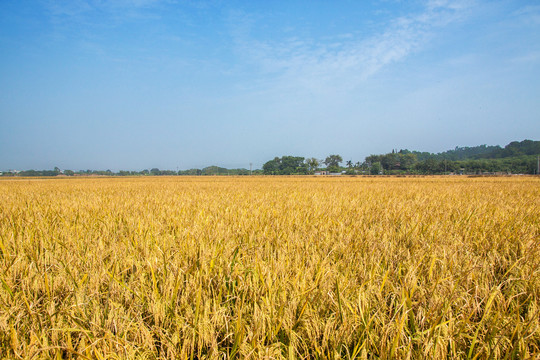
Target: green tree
293, 165
286, 165
407, 161
375, 168
312, 164
332, 162
272, 167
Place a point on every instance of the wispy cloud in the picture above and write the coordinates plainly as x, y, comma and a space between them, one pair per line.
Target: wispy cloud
91, 26
528, 58
95, 12
529, 14
346, 59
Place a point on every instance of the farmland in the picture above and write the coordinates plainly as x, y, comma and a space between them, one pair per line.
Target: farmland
270, 267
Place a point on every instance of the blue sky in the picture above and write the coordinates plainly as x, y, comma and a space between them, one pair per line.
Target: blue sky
136, 84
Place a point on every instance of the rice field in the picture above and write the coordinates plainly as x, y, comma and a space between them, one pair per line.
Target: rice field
270, 268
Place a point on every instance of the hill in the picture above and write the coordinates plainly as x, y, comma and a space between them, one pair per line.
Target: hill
518, 157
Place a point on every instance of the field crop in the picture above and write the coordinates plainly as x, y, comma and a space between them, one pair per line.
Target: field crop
270, 268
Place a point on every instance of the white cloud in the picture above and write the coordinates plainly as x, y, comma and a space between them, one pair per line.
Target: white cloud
346, 60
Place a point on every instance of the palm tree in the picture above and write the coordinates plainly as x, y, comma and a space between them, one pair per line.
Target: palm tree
349, 164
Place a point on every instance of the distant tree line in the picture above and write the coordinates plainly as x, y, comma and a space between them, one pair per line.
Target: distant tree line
210, 170
297, 165
514, 158
513, 149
